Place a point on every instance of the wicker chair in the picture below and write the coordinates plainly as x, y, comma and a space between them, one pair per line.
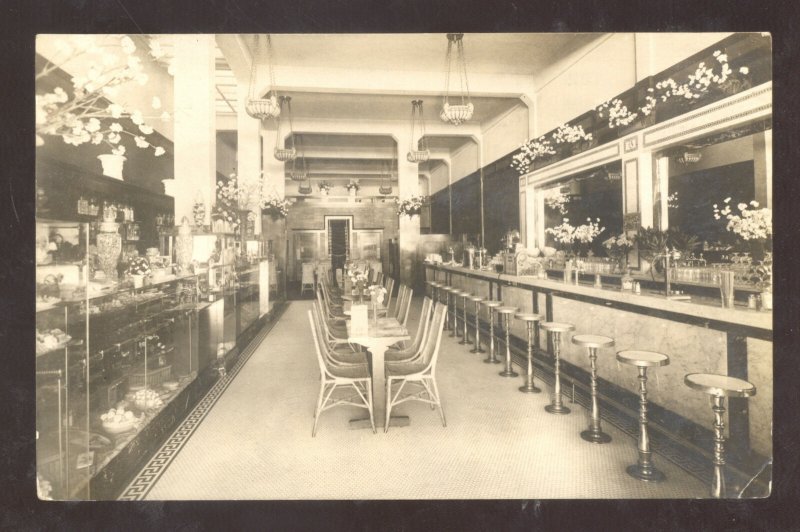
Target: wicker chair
414, 351
417, 379
333, 378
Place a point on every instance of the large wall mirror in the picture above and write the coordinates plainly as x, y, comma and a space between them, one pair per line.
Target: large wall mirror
582, 198
705, 172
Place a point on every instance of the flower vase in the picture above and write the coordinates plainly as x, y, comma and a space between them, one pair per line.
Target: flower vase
109, 246
375, 313
352, 192
184, 245
112, 165
766, 298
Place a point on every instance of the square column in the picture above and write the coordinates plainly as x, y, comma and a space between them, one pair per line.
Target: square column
248, 150
194, 119
409, 227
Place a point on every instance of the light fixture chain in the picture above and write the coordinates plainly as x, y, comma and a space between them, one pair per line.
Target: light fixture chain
269, 64
465, 81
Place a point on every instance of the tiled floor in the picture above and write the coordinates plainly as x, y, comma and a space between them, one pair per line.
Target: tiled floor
255, 442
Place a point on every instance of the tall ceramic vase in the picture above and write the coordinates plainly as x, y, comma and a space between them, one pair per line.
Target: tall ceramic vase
112, 164
184, 245
109, 247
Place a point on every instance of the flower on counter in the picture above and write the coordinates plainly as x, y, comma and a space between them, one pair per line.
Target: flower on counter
226, 214
751, 224
618, 246
78, 114
586, 233
139, 266
324, 186
377, 293
352, 185
411, 206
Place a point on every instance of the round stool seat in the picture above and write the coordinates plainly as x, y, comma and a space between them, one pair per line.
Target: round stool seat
506, 310
523, 316
592, 340
448, 288
555, 326
460, 293
434, 284
490, 303
475, 299
719, 385
642, 359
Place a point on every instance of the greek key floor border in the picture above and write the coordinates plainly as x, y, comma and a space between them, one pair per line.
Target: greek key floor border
144, 481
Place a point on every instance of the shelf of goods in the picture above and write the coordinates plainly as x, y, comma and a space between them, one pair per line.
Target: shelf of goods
106, 366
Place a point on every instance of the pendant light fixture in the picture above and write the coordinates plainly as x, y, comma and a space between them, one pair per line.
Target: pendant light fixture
285, 154
421, 154
386, 188
262, 108
459, 112
299, 173
305, 189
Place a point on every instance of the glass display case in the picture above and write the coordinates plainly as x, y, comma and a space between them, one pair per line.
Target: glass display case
109, 357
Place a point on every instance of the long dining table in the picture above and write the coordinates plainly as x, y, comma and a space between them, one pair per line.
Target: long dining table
381, 335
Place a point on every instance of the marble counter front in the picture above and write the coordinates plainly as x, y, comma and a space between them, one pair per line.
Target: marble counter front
697, 336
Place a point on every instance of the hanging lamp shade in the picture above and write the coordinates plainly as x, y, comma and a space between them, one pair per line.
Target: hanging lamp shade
461, 108
285, 154
262, 108
421, 154
299, 172
386, 187
305, 189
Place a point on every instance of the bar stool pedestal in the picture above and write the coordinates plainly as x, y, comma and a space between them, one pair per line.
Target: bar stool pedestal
477, 300
643, 469
456, 295
465, 336
448, 291
719, 387
555, 329
506, 313
531, 321
592, 343
491, 305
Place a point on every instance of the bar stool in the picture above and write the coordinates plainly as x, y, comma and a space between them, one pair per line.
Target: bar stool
448, 291
593, 342
555, 329
491, 305
457, 293
464, 297
719, 387
477, 300
644, 469
505, 315
434, 287
530, 324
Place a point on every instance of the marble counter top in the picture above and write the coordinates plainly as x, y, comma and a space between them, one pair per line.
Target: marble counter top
697, 307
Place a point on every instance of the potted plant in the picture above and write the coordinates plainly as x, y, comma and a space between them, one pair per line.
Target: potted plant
352, 187
276, 207
138, 269
618, 248
410, 206
324, 187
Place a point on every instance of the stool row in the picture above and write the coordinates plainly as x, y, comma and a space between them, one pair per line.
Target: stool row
716, 386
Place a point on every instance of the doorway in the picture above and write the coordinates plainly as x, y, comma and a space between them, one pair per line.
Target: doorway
338, 229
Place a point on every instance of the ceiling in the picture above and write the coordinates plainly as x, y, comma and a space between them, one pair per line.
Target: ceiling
344, 155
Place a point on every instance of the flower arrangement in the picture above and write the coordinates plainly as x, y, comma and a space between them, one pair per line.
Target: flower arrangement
569, 235
556, 200
750, 224
571, 134
82, 113
618, 113
324, 187
276, 207
530, 151
410, 206
226, 214
377, 293
618, 247
352, 185
672, 200
139, 266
